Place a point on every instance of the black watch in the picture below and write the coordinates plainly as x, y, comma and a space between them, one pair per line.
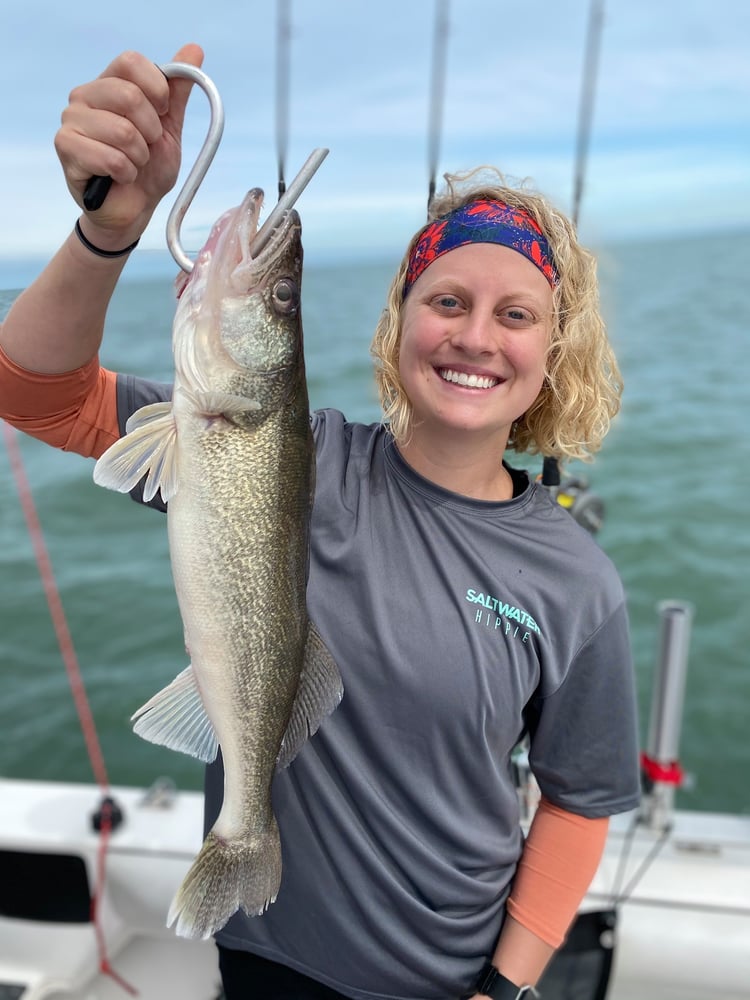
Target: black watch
493, 985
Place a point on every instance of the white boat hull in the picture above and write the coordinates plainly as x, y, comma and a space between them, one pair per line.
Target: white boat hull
147, 858
682, 932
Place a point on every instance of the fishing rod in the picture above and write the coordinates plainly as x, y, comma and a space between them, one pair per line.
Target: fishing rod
586, 107
283, 36
437, 93
573, 493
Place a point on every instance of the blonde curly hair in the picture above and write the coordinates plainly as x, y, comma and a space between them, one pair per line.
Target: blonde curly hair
582, 386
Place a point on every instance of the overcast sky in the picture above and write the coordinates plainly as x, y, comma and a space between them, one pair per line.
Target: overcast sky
670, 148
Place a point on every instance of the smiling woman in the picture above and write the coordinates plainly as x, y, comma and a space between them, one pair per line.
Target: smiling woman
401, 807
474, 338
580, 389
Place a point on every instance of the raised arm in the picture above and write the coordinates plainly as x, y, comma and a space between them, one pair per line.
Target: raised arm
126, 124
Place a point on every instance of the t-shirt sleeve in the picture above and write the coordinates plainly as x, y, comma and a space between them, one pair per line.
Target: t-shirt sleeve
584, 735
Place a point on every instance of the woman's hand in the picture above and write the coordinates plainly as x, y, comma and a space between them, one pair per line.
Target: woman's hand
125, 124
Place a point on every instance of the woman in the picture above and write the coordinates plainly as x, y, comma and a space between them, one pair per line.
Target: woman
464, 608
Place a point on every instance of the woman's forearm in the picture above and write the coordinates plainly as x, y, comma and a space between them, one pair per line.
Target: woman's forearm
56, 324
520, 955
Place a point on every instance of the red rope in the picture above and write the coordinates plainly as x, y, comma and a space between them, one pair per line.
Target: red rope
72, 668
104, 966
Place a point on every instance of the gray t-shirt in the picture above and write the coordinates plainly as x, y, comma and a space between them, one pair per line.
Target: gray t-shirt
457, 625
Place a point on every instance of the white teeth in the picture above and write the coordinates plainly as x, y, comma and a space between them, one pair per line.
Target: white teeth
473, 381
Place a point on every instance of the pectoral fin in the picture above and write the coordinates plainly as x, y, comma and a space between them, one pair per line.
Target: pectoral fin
175, 718
319, 692
213, 403
149, 446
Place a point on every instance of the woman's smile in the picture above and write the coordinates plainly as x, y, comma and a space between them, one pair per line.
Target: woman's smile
470, 380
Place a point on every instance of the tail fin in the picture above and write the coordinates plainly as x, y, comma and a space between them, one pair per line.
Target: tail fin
227, 876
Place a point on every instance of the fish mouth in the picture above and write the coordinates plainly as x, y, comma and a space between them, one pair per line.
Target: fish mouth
249, 229
229, 259
241, 267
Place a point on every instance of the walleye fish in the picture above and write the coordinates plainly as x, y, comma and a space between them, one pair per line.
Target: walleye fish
233, 457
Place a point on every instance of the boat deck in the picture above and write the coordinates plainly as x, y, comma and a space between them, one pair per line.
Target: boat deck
682, 900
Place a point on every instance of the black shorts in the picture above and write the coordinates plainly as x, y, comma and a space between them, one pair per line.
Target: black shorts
248, 977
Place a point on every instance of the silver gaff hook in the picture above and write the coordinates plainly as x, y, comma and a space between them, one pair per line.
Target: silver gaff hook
203, 160
98, 186
288, 198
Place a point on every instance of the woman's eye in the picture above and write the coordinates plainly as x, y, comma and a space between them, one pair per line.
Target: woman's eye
518, 315
447, 301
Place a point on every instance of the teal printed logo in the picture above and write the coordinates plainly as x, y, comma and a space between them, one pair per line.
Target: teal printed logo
504, 613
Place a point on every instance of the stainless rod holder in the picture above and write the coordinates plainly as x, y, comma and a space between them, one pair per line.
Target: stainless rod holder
669, 682
667, 705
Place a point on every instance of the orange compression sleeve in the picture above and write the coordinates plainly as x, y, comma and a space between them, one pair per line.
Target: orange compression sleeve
75, 411
559, 860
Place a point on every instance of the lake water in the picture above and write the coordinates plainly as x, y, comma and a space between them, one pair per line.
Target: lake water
674, 475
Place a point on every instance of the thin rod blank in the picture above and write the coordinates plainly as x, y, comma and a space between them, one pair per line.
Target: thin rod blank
586, 110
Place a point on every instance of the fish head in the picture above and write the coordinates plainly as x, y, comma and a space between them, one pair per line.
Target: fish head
238, 328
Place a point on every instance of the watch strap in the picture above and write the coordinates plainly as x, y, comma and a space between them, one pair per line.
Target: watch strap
494, 985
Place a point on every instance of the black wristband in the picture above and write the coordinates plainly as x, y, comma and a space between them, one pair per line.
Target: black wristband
102, 253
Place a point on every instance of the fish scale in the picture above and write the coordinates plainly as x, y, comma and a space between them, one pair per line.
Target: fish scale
234, 459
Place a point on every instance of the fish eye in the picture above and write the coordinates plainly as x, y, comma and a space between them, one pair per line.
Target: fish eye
285, 296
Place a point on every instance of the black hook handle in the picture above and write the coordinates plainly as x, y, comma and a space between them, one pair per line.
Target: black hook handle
96, 191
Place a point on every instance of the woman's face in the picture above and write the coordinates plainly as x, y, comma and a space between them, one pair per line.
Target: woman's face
475, 329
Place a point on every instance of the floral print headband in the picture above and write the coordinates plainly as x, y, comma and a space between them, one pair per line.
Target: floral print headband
482, 221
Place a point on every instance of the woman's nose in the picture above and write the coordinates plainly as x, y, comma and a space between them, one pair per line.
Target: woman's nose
476, 334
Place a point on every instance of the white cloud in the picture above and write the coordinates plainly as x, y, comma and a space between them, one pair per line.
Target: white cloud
671, 119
